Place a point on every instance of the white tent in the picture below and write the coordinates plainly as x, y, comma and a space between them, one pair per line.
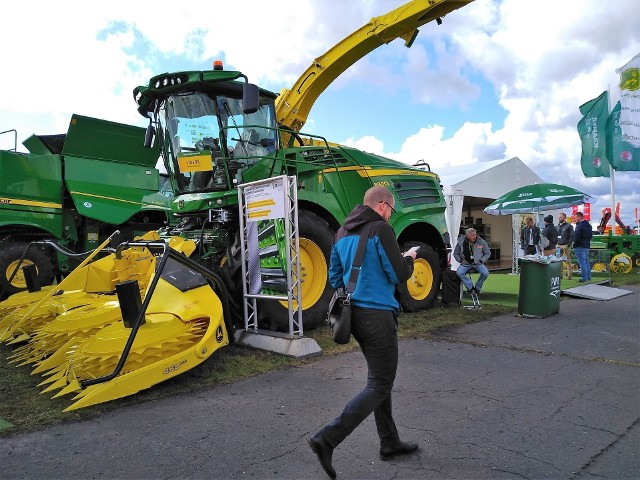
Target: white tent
469, 189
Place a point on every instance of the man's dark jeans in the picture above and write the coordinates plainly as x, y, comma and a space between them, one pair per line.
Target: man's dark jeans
376, 333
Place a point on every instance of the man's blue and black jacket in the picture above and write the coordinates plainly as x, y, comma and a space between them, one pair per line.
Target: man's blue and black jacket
383, 266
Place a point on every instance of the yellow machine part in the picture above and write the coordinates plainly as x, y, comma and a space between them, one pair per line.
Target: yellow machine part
68, 329
86, 285
182, 329
20, 299
293, 105
421, 281
23, 314
74, 331
621, 263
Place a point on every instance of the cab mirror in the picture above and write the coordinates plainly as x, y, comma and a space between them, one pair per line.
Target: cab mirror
250, 98
149, 136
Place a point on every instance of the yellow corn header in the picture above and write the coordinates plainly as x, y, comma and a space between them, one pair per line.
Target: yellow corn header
166, 317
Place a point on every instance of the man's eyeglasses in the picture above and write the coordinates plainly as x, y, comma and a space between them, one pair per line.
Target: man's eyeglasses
393, 210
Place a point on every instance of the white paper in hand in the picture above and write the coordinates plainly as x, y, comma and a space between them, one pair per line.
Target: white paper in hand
411, 250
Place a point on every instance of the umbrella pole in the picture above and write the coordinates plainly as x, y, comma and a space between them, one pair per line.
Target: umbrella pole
515, 228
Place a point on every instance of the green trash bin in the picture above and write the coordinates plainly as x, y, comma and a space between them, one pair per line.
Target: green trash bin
539, 288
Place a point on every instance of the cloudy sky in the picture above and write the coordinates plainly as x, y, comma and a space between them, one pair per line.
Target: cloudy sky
497, 79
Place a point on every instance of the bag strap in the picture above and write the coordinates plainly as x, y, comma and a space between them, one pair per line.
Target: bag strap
357, 261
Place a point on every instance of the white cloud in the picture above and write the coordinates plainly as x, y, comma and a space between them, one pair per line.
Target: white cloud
368, 144
542, 59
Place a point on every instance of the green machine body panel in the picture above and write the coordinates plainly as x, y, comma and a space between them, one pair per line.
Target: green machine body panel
31, 189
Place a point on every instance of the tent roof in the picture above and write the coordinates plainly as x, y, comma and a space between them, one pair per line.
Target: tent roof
489, 180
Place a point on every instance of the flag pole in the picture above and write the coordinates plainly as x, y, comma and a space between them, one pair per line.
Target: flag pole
611, 175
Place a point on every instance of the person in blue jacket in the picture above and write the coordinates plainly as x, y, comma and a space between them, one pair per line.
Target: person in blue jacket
581, 245
374, 311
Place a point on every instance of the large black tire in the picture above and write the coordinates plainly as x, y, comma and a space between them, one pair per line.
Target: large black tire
316, 239
421, 290
9, 258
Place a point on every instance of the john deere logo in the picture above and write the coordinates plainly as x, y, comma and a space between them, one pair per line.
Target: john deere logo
219, 334
630, 79
626, 156
597, 162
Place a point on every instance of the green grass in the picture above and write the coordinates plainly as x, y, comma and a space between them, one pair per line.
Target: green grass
23, 409
502, 288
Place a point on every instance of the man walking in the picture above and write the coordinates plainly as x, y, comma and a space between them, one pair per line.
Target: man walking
529, 237
565, 239
472, 252
581, 245
374, 311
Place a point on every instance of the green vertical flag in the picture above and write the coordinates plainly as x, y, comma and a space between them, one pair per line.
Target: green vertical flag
592, 131
623, 156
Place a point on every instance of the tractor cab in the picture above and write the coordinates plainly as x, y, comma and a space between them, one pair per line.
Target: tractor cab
210, 127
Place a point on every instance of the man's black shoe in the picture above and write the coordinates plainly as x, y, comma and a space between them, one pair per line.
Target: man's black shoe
400, 448
324, 453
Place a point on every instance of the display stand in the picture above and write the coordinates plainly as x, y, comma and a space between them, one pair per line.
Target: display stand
271, 263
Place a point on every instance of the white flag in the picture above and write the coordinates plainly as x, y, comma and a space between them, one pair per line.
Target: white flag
630, 101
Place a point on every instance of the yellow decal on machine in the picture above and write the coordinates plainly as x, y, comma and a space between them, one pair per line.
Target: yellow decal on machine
386, 172
380, 172
28, 203
345, 169
83, 194
195, 162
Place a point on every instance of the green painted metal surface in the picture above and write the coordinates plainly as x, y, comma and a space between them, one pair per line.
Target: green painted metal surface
31, 189
104, 140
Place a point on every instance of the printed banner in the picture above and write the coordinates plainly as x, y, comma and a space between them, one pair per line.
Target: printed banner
592, 131
622, 155
630, 101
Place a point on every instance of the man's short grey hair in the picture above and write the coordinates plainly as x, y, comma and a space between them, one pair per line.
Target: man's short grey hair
378, 194
469, 231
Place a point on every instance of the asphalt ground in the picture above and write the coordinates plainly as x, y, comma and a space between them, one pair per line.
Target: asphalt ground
508, 398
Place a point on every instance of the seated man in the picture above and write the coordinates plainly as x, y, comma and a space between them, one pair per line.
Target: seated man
472, 252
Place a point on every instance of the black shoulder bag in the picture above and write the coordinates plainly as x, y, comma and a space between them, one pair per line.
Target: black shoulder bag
339, 314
